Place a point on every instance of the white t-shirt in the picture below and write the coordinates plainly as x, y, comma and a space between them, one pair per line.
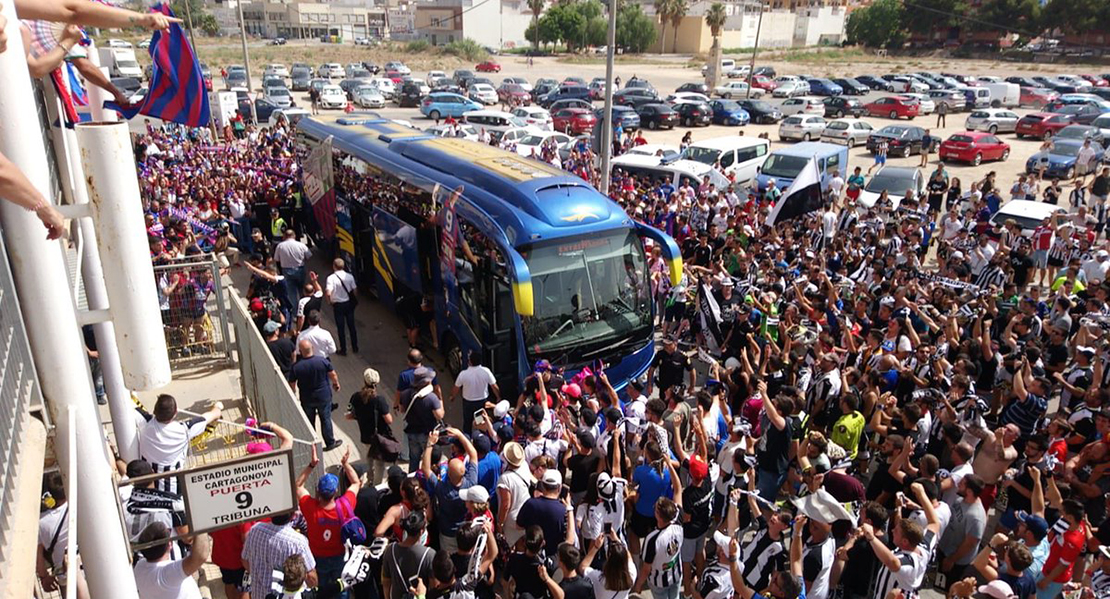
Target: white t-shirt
516, 481
544, 446
957, 474
337, 285
166, 444
164, 580
49, 522
475, 382
597, 578
323, 344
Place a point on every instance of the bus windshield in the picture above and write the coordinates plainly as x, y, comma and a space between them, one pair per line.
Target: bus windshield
591, 295
781, 165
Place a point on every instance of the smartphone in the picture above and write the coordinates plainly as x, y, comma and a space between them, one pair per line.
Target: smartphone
413, 581
608, 528
564, 492
479, 417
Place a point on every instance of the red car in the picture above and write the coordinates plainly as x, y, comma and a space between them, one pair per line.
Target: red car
1095, 80
573, 120
764, 82
514, 92
974, 147
488, 67
397, 78
1037, 97
1042, 124
894, 107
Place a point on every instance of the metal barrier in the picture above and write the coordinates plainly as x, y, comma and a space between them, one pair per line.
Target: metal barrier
19, 393
265, 387
194, 309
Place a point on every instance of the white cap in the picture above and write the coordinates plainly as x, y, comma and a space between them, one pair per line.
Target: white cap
501, 409
475, 494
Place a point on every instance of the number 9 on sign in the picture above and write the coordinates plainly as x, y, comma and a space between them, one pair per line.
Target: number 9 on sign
244, 500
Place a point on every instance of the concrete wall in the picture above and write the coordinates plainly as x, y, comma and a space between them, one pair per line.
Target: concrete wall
822, 25
777, 31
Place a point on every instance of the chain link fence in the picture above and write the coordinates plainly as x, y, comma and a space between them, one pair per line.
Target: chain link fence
193, 300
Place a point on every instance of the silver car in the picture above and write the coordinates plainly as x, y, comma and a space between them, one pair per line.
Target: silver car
801, 126
848, 132
368, 96
955, 100
992, 120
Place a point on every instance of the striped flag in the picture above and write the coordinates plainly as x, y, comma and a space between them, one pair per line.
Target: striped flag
177, 91
802, 197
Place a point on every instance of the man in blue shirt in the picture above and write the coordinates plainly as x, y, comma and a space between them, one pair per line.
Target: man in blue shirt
489, 464
310, 375
450, 508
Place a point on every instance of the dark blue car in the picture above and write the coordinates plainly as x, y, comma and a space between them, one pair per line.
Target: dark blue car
876, 83
819, 86
728, 112
624, 116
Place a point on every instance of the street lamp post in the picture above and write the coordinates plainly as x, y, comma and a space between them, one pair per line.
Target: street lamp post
607, 122
755, 49
246, 59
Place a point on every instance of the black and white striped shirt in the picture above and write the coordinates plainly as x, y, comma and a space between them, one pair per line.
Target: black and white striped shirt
762, 556
662, 549
824, 390
992, 274
910, 573
1100, 584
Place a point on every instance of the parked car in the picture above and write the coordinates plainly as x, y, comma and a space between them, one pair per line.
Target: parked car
1059, 162
567, 91
852, 87
737, 89
498, 124
385, 85
332, 96
801, 127
761, 111
533, 143
488, 66
901, 139
513, 92
330, 70
974, 147
849, 132
874, 82
680, 97
820, 86
277, 41
895, 181
893, 107
1041, 124
657, 116
368, 96
573, 120
907, 84
1103, 125
840, 106
924, 104
1037, 97
992, 120
955, 101
697, 88
635, 96
694, 115
521, 81
1023, 81
398, 66
278, 96
349, 85
569, 103
410, 94
1082, 132
728, 112
624, 116
737, 72
1083, 114
803, 105
764, 83
437, 105
533, 115
483, 93
790, 89
299, 79
1028, 214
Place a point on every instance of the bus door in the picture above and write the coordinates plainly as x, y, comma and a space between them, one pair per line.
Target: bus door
501, 355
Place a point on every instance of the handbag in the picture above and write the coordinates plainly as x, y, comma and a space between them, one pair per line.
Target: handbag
387, 448
352, 298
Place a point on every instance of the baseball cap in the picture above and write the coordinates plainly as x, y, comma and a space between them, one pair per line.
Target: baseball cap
636, 384
542, 366
1083, 349
995, 589
256, 305
501, 409
573, 390
552, 479
371, 376
1036, 524
475, 494
328, 484
481, 443
887, 345
270, 327
698, 468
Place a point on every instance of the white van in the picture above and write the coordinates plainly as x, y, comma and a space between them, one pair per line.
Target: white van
677, 172
727, 64
1004, 95
739, 156
977, 97
496, 122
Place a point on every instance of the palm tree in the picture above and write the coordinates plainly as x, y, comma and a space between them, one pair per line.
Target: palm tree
536, 6
715, 18
663, 10
678, 12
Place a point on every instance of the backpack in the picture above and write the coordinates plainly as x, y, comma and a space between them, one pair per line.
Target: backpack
351, 528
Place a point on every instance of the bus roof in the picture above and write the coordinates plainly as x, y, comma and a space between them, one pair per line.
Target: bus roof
810, 148
530, 200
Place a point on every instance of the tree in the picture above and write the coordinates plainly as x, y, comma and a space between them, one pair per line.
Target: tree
663, 11
536, 6
1023, 15
877, 26
715, 19
930, 15
678, 12
597, 32
635, 30
1077, 16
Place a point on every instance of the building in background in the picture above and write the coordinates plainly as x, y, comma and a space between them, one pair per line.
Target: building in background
494, 24
344, 20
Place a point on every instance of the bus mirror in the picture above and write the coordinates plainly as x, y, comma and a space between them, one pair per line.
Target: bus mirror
670, 250
522, 284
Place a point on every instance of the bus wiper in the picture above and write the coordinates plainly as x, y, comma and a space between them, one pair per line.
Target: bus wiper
569, 321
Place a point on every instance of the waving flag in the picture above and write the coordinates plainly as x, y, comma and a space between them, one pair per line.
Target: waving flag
709, 311
802, 197
176, 87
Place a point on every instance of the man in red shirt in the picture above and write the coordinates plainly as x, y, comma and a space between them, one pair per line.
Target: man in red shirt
227, 550
1064, 551
325, 514
1042, 241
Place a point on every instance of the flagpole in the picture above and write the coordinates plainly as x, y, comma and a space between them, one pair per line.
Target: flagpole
246, 58
189, 22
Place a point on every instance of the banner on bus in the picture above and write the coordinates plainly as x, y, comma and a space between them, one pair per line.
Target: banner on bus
448, 232
319, 187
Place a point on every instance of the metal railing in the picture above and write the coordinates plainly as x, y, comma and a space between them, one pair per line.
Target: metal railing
265, 387
194, 309
19, 393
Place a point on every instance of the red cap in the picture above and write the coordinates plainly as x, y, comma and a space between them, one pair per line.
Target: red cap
698, 468
256, 305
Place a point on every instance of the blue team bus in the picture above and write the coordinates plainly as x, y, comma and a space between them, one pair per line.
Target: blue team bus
499, 253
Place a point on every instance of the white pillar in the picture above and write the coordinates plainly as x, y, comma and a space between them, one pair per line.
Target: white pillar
96, 295
42, 281
108, 162
98, 95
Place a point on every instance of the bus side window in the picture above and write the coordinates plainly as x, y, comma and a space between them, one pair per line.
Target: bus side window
727, 158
